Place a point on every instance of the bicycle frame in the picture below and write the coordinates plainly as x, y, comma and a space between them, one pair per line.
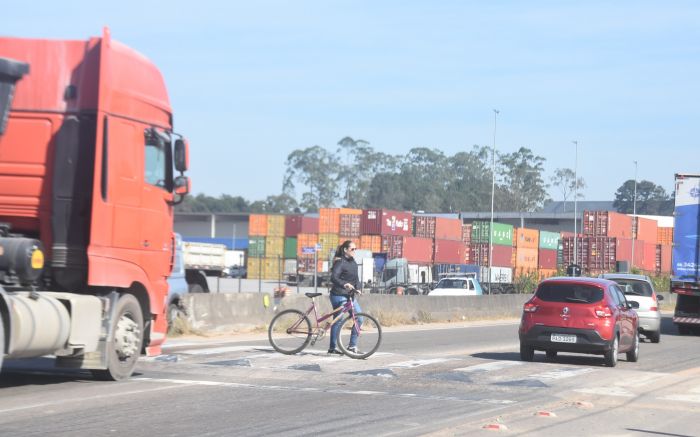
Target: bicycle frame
347, 307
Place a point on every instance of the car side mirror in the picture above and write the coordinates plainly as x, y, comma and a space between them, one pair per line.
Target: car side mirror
659, 297
632, 304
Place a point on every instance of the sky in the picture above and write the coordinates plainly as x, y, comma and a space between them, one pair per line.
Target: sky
250, 82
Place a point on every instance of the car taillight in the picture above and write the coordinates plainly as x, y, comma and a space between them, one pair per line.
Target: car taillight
603, 311
530, 307
653, 308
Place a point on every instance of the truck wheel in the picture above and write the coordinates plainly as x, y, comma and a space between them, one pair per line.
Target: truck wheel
196, 288
125, 342
2, 341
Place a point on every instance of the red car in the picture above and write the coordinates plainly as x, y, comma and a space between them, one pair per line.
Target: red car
582, 315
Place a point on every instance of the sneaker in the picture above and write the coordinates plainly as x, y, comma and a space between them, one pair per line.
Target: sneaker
334, 352
354, 350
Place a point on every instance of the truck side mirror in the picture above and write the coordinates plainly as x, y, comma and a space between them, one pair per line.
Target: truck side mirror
182, 186
182, 155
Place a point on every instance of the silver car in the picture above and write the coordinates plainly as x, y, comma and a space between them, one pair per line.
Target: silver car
638, 288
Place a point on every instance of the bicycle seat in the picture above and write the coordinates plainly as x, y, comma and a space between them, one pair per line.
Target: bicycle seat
313, 294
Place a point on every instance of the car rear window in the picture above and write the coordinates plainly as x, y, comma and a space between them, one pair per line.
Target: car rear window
570, 293
632, 287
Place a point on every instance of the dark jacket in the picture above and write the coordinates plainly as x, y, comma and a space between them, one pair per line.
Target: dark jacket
344, 272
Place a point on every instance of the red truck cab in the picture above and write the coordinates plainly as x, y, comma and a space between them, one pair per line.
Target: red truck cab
88, 162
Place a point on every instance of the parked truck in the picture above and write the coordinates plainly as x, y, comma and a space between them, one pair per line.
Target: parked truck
685, 276
400, 277
88, 158
202, 260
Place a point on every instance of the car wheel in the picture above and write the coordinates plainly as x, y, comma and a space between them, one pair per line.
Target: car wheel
655, 337
526, 352
551, 355
611, 355
633, 354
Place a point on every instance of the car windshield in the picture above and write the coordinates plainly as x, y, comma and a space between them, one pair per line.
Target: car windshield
634, 287
569, 292
452, 283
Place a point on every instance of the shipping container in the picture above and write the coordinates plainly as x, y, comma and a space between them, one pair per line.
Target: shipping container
392, 245
306, 241
274, 247
607, 224
386, 222
299, 224
350, 225
502, 255
448, 229
594, 254
275, 226
372, 243
256, 247
290, 247
328, 221
448, 251
424, 226
467, 234
265, 268
499, 275
645, 229
257, 225
418, 250
649, 257
526, 259
442, 270
664, 235
305, 264
547, 259
623, 252
665, 265
502, 233
546, 273
549, 240
527, 238
329, 243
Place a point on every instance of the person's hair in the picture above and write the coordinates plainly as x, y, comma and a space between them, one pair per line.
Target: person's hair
340, 251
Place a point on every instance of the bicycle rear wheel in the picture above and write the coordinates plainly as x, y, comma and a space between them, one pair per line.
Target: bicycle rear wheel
369, 336
289, 332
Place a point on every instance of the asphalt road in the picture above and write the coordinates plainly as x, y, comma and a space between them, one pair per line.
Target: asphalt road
429, 380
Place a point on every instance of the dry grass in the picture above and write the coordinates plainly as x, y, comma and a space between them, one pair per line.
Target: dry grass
181, 326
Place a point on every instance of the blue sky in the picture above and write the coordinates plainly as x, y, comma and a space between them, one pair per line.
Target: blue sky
252, 81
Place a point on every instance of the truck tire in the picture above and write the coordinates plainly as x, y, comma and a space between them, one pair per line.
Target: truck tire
125, 342
2, 341
196, 288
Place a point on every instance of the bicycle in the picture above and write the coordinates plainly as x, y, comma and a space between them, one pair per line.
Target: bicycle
291, 330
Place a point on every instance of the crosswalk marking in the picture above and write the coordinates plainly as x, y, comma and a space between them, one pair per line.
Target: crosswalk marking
606, 391
561, 373
418, 363
489, 367
221, 350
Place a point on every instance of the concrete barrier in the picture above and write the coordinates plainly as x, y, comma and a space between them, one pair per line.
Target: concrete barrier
221, 312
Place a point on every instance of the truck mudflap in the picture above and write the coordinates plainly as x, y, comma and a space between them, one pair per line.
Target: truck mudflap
687, 320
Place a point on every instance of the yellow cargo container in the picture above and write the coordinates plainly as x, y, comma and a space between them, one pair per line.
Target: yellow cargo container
328, 242
275, 226
274, 246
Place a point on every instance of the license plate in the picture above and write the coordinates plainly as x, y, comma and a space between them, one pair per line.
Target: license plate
563, 338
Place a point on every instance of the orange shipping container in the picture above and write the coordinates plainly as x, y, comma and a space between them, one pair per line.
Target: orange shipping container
305, 240
645, 229
526, 258
665, 266
607, 224
547, 273
527, 238
372, 243
350, 211
257, 225
664, 235
448, 229
329, 221
275, 226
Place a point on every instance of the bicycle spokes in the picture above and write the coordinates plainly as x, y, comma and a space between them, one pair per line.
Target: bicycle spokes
359, 337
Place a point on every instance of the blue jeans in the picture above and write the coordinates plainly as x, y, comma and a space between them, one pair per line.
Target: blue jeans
338, 301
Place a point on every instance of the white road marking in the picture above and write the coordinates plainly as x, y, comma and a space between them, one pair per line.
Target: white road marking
489, 367
418, 363
641, 379
694, 396
606, 391
560, 373
221, 350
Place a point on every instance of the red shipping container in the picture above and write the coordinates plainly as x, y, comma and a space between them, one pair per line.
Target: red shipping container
418, 250
350, 225
449, 251
607, 224
649, 261
392, 245
646, 229
665, 266
298, 224
623, 252
547, 259
448, 229
424, 226
386, 222
502, 255
467, 234
594, 254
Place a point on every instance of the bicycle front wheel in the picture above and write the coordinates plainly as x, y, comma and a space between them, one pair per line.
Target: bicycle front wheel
289, 332
365, 336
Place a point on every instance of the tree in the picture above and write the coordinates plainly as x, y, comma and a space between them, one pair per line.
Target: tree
521, 181
469, 181
361, 164
564, 180
652, 199
317, 170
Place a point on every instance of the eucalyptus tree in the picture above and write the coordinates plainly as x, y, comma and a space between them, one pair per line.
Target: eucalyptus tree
316, 170
522, 181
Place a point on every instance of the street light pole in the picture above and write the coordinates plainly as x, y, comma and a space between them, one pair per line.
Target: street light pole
634, 214
493, 190
575, 203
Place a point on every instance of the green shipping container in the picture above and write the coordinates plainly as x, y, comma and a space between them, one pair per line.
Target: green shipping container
256, 247
290, 247
549, 240
502, 233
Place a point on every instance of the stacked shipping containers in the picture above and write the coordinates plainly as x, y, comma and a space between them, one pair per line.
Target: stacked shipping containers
526, 247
